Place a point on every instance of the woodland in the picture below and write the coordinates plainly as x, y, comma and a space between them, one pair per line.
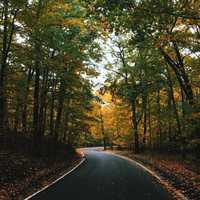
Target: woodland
150, 99
81, 73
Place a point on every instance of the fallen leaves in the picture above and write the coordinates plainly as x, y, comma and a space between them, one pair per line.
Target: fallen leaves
21, 175
179, 176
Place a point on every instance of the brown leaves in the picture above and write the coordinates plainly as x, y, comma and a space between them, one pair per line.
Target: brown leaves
4, 195
20, 175
179, 176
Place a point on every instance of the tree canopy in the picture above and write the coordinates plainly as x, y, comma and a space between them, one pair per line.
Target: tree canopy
49, 49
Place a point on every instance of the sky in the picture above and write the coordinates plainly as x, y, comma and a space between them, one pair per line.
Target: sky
107, 58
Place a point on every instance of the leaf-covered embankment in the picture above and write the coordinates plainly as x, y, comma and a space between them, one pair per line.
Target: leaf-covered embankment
22, 174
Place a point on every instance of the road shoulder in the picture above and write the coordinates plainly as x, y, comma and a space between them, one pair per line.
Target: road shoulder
157, 173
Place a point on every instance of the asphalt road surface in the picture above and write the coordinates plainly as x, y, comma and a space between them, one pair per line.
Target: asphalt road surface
104, 176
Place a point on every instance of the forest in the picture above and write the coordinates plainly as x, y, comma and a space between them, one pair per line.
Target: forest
151, 90
45, 50
53, 52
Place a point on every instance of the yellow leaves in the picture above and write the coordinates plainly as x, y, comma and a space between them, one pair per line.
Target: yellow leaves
116, 119
59, 6
74, 22
56, 20
107, 98
58, 14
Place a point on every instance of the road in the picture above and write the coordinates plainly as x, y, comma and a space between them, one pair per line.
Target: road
104, 176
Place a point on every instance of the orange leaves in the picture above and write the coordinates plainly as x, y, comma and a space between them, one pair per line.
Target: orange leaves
164, 39
196, 115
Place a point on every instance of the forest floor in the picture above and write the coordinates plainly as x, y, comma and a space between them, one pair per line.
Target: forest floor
178, 176
21, 174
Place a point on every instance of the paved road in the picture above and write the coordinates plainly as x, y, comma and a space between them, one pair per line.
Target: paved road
104, 176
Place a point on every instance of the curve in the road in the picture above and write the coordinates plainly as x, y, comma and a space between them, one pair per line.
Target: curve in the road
105, 176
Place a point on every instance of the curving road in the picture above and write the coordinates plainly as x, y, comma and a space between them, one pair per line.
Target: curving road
104, 176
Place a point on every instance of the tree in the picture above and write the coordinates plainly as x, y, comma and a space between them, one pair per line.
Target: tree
50, 80
10, 11
161, 36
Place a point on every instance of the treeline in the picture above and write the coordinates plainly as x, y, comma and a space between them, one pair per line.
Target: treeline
44, 90
154, 74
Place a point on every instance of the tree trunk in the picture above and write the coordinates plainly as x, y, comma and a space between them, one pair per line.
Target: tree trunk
181, 75
3, 68
16, 124
170, 116
102, 129
144, 102
37, 138
149, 123
184, 75
171, 90
36, 106
52, 106
135, 126
24, 111
43, 102
158, 119
66, 131
6, 44
60, 108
